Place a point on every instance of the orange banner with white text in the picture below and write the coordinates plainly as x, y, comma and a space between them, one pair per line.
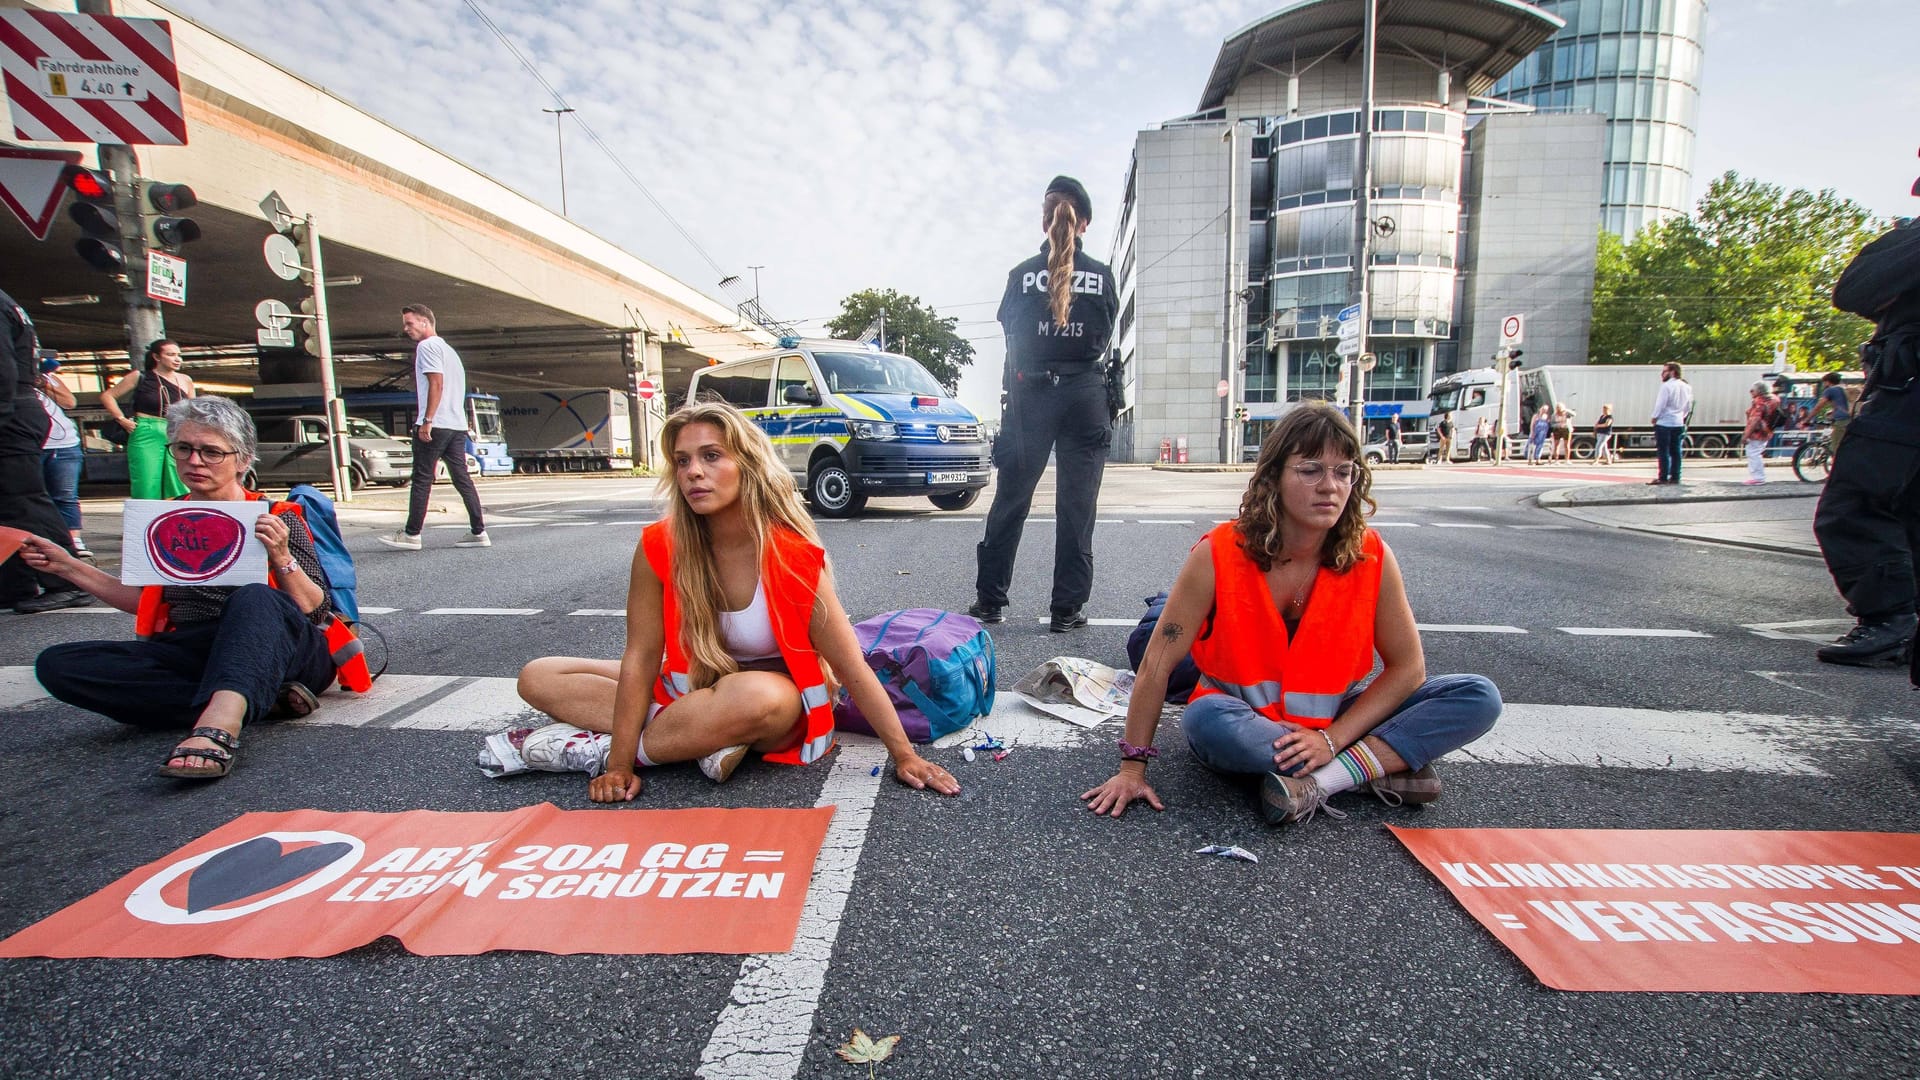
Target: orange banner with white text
1593, 909
312, 883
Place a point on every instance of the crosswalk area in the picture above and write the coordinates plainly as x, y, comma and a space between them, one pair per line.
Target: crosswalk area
1528, 733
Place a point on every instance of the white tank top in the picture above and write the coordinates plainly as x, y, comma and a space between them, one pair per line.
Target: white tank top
748, 634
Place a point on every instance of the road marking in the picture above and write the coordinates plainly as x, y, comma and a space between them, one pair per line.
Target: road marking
1165, 521
1469, 509
571, 524
1541, 528
501, 525
18, 687
490, 702
378, 610
1393, 524
1467, 628
1652, 739
390, 694
1109, 521
482, 611
609, 612
960, 521
1627, 631
1459, 525
763, 1031
1817, 631
1094, 622
90, 609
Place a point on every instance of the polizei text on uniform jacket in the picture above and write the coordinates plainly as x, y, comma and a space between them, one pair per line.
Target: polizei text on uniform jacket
1089, 282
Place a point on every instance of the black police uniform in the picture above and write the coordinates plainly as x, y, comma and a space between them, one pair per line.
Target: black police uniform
24, 502
1868, 520
1056, 404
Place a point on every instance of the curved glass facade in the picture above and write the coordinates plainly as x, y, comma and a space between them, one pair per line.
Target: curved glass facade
1638, 62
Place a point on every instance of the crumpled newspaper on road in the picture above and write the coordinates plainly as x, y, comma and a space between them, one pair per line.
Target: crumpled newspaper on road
1076, 690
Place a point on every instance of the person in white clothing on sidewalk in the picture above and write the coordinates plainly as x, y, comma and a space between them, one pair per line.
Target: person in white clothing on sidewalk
1671, 407
1761, 416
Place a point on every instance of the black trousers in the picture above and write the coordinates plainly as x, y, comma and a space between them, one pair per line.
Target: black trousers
1068, 419
25, 504
451, 444
1868, 523
261, 641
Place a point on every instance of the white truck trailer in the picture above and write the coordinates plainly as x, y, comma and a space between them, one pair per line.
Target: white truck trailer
568, 429
1720, 398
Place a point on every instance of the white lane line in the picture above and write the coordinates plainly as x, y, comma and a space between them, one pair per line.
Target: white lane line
628, 523
483, 705
482, 611
1165, 521
91, 609
571, 524
959, 521
18, 686
600, 612
1590, 736
1018, 724
502, 525
1460, 525
1393, 524
1094, 622
1468, 509
378, 610
763, 1032
1109, 521
1627, 631
1467, 628
1817, 631
339, 708
1541, 528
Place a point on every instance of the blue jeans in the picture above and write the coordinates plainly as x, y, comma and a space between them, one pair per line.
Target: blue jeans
1667, 440
61, 469
1446, 713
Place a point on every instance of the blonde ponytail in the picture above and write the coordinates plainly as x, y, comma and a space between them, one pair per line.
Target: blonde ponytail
1062, 227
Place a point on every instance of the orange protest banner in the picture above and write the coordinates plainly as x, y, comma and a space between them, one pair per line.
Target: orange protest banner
310, 883
10, 541
1590, 909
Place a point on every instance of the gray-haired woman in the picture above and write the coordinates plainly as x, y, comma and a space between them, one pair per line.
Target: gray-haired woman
222, 657
1760, 420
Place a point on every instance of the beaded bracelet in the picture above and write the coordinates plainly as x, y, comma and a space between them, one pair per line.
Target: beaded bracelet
1332, 749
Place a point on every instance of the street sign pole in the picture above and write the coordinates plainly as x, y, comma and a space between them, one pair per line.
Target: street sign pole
1500, 425
337, 459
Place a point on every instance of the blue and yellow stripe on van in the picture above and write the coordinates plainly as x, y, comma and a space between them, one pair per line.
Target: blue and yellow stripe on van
802, 426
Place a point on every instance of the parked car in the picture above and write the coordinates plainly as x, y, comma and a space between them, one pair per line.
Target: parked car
293, 450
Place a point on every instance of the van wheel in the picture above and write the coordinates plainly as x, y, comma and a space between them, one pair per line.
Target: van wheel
473, 466
954, 500
831, 491
359, 477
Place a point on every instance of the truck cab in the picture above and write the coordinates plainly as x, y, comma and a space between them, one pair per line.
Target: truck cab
851, 422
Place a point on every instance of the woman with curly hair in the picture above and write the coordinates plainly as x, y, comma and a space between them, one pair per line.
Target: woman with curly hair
733, 634
1283, 610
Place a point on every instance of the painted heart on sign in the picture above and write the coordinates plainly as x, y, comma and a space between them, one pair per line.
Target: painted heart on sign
254, 867
194, 545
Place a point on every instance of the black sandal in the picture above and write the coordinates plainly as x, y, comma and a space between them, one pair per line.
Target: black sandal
219, 756
295, 701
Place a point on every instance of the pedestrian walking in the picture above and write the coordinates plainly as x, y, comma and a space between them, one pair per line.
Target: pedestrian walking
1058, 312
1836, 404
24, 502
1393, 438
1284, 611
1444, 431
1562, 429
440, 432
151, 473
62, 456
1868, 520
1603, 436
1762, 413
1482, 440
1671, 407
1537, 438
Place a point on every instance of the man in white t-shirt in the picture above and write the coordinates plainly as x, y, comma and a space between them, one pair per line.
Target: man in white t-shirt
440, 431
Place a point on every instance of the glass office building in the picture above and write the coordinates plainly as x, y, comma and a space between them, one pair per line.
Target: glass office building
1638, 63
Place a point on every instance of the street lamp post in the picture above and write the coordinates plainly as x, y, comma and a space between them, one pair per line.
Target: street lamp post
560, 142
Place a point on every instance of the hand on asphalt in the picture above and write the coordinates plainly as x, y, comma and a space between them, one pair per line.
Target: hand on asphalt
1112, 797
615, 785
917, 772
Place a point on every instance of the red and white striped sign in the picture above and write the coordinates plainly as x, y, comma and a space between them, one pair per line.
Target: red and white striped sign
91, 78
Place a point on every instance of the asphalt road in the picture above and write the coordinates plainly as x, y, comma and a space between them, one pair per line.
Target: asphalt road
1009, 932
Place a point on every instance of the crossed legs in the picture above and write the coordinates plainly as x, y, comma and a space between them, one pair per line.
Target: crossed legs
759, 709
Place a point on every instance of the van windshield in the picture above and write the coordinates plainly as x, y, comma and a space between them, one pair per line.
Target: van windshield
360, 429
876, 373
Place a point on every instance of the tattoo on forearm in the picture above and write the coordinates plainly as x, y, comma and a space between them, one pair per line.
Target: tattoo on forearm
1171, 631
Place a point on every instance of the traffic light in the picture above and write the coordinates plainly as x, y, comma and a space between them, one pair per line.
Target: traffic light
159, 205
1513, 358
306, 327
93, 211
1240, 413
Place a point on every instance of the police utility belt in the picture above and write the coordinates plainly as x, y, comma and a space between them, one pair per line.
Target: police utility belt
1054, 370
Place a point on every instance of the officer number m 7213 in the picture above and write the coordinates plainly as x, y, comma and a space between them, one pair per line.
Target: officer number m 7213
1048, 328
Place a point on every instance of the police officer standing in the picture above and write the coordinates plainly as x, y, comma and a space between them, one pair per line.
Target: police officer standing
24, 502
1058, 314
1868, 522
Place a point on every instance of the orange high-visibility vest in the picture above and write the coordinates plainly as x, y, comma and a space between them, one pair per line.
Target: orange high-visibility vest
154, 616
790, 573
1247, 652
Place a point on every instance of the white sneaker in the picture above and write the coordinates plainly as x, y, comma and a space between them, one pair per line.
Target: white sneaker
403, 541
478, 539
565, 748
720, 764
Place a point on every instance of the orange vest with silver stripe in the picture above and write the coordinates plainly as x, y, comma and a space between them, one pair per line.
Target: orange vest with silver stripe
791, 575
154, 615
1247, 652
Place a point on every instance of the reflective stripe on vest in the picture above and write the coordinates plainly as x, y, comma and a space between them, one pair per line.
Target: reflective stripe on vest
790, 574
1298, 677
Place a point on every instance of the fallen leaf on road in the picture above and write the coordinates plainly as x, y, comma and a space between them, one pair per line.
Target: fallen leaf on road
864, 1050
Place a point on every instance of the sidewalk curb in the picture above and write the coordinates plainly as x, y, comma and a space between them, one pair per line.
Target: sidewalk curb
1750, 545
1570, 496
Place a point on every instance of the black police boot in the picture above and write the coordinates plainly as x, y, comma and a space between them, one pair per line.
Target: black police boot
988, 613
1064, 621
1884, 641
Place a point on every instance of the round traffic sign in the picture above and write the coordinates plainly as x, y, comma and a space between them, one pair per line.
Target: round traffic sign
1511, 327
283, 256
645, 389
1222, 389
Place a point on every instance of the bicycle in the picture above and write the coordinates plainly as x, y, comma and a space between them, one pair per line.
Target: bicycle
1813, 460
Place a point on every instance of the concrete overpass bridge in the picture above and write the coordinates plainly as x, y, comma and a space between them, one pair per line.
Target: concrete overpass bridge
528, 297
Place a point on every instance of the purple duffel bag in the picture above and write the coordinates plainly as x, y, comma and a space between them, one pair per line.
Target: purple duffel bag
937, 667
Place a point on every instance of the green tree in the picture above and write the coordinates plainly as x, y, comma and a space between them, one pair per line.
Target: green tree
1751, 266
913, 329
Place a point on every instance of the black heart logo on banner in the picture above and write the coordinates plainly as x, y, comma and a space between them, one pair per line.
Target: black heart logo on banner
256, 866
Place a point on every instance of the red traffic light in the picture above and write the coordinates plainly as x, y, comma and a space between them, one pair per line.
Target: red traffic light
169, 198
89, 184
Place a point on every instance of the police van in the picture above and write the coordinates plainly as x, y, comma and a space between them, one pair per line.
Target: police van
851, 422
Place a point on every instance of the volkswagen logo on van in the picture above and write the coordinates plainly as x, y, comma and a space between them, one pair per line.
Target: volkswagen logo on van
944, 432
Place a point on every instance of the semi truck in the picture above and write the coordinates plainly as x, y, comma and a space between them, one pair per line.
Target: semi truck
568, 429
1720, 399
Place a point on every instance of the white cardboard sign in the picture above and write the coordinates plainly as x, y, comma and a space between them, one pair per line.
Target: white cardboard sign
186, 542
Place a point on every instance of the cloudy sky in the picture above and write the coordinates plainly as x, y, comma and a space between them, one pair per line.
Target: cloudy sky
848, 145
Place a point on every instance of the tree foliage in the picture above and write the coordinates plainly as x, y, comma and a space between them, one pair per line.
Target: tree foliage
913, 329
1752, 266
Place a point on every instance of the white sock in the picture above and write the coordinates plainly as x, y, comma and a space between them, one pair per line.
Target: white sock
1332, 777
640, 752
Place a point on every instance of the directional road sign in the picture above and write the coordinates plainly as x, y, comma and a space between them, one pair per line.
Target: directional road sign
91, 78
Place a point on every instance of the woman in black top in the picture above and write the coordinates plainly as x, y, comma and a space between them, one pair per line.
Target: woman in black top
1603, 453
1058, 313
150, 472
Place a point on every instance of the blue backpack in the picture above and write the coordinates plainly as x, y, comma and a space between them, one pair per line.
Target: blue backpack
936, 666
334, 559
